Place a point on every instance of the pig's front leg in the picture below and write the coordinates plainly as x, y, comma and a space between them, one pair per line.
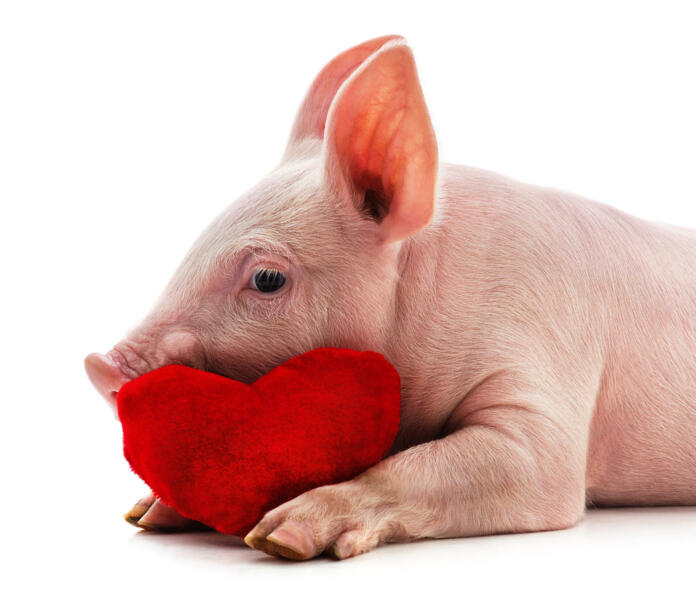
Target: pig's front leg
511, 463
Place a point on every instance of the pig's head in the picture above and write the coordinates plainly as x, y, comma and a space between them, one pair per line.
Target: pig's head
310, 256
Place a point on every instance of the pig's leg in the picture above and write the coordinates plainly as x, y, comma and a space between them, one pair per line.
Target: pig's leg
153, 515
507, 466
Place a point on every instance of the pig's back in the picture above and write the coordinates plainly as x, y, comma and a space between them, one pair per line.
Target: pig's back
643, 438
634, 283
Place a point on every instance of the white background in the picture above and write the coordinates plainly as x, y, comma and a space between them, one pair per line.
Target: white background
126, 126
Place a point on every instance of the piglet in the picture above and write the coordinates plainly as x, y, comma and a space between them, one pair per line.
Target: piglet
546, 343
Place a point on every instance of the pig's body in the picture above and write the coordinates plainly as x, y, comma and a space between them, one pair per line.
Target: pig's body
526, 277
546, 343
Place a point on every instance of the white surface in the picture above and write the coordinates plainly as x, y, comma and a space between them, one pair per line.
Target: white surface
125, 126
622, 550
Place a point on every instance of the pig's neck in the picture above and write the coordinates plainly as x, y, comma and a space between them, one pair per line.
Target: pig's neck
434, 302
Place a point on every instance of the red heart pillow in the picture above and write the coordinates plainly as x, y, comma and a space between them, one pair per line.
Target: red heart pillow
224, 452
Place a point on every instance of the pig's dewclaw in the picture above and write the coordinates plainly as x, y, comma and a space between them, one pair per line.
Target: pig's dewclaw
353, 542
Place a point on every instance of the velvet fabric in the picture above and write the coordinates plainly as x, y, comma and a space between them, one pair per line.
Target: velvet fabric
223, 452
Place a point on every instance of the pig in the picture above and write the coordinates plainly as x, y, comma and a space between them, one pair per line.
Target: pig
546, 343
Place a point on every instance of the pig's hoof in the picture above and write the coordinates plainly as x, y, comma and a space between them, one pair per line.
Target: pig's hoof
153, 515
278, 548
139, 509
340, 520
133, 517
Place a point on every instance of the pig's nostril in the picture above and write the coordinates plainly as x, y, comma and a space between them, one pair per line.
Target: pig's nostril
111, 400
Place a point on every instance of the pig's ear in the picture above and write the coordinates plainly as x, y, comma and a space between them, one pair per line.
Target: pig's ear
379, 144
311, 118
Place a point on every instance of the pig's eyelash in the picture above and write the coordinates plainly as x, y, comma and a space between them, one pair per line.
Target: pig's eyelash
267, 280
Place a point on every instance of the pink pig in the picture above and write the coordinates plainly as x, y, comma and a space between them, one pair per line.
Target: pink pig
546, 343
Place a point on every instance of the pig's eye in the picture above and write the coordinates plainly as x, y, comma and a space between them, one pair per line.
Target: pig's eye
265, 280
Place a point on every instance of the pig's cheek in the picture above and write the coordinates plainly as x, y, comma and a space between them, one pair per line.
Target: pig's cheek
342, 520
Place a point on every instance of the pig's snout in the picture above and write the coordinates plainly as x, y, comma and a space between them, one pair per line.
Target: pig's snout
106, 375
127, 361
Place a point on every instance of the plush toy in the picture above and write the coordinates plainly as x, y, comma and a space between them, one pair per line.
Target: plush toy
224, 452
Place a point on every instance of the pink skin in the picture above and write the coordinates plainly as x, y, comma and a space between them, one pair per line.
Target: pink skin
545, 342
